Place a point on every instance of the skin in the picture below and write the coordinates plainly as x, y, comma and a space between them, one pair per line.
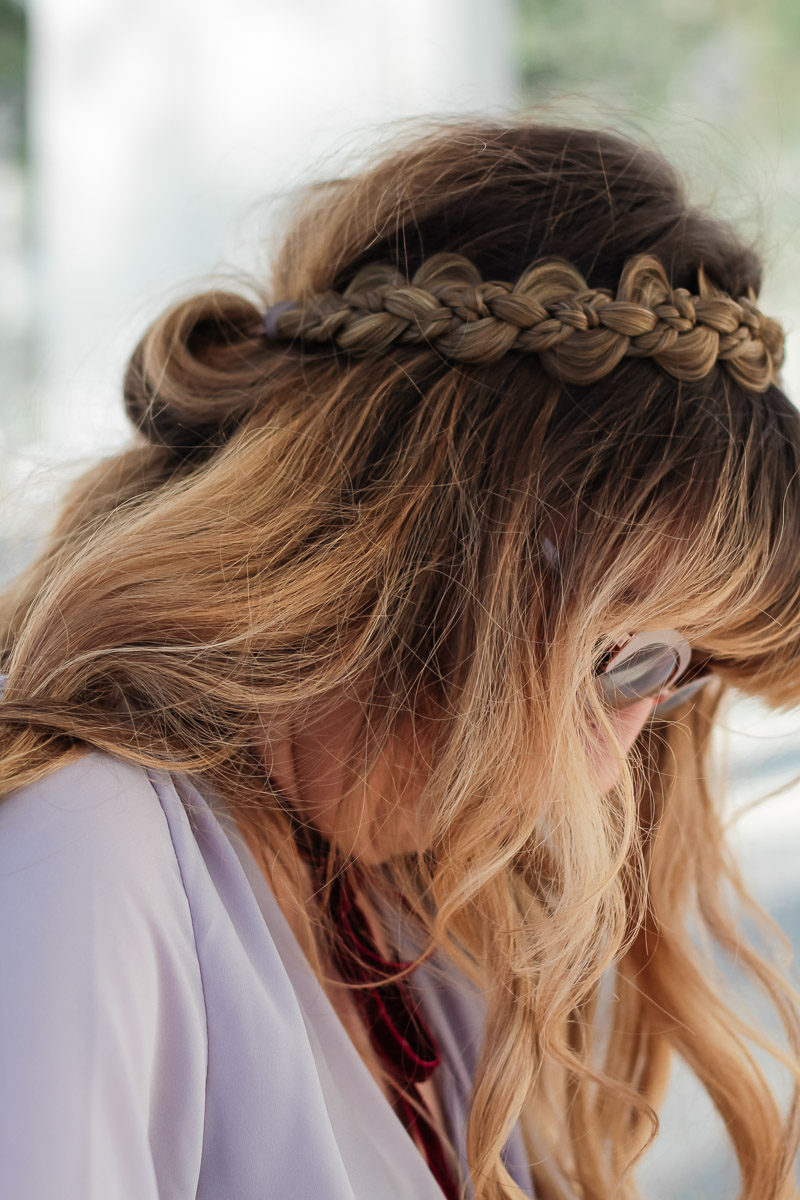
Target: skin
307, 767
628, 724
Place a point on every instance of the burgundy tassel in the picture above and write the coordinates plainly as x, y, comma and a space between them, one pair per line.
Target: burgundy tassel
397, 1030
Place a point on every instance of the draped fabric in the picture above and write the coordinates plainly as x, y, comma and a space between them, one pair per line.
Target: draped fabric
162, 1034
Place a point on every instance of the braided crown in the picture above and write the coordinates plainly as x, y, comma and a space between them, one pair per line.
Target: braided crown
579, 333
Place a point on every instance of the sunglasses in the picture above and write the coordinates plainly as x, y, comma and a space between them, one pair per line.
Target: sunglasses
656, 665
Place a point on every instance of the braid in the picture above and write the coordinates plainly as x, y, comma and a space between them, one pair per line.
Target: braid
580, 333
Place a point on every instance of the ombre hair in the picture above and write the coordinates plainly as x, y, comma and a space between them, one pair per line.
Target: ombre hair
292, 523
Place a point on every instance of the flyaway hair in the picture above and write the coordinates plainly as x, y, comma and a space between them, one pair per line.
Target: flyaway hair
294, 520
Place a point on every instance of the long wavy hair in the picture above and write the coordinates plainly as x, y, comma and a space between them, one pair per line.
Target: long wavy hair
292, 523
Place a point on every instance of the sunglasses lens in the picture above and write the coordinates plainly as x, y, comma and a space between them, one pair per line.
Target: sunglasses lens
681, 695
639, 676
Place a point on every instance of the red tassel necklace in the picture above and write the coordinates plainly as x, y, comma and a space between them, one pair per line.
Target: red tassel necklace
399, 1035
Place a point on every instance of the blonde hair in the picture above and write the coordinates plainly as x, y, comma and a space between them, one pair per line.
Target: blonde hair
294, 521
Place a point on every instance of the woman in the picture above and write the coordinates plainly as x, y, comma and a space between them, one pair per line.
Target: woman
358, 828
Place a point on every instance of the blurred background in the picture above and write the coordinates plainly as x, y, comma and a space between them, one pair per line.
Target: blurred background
148, 147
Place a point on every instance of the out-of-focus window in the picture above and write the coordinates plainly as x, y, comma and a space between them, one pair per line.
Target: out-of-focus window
713, 84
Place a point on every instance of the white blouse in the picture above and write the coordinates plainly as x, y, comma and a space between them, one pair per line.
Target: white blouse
162, 1035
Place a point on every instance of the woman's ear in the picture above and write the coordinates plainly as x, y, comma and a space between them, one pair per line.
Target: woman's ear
627, 724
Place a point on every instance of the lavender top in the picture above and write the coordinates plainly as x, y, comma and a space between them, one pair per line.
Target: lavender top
162, 1035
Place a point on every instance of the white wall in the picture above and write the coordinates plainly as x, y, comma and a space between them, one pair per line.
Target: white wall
161, 128
164, 134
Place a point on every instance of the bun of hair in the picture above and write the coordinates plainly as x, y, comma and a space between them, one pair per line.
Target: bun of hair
189, 382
